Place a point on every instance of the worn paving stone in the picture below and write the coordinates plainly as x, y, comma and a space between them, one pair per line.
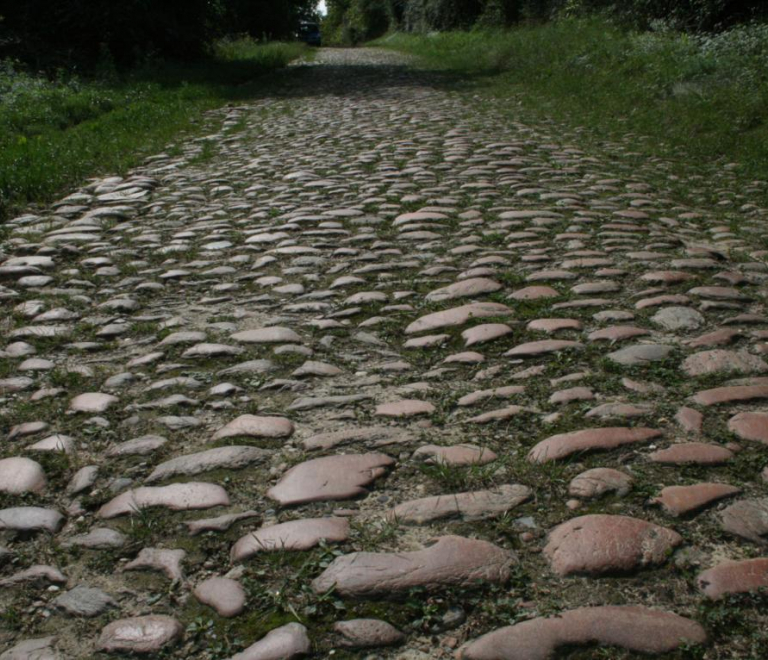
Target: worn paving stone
141, 634
288, 641
292, 535
21, 475
599, 481
255, 426
750, 426
224, 595
329, 478
606, 544
563, 445
470, 506
365, 633
40, 648
747, 519
212, 459
176, 497
451, 561
85, 601
683, 500
700, 453
734, 577
630, 627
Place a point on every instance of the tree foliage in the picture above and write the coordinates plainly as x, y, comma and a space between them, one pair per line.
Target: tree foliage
352, 21
61, 32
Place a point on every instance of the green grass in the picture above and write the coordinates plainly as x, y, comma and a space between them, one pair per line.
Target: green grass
703, 99
55, 133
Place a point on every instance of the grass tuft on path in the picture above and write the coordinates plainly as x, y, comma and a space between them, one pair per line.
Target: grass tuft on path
55, 133
699, 97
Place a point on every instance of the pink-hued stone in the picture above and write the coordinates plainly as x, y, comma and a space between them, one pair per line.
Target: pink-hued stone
225, 596
564, 444
553, 325
721, 361
177, 497
689, 419
750, 426
477, 505
474, 286
682, 500
701, 453
455, 455
256, 427
483, 333
451, 561
141, 634
292, 535
748, 519
272, 335
404, 408
543, 347
364, 633
534, 293
734, 577
730, 394
617, 333
630, 627
497, 392
92, 402
499, 414
604, 544
329, 478
159, 559
598, 481
284, 643
457, 316
20, 475
721, 337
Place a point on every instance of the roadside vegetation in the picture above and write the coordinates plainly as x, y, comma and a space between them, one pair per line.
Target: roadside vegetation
57, 132
698, 96
686, 80
92, 87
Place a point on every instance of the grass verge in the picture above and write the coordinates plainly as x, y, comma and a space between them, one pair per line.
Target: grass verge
55, 133
699, 98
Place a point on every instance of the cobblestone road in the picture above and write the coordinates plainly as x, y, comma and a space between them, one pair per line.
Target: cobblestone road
369, 371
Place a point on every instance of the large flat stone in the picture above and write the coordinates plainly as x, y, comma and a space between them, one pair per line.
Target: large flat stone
564, 444
329, 478
231, 458
376, 436
630, 627
176, 497
31, 519
747, 519
605, 544
253, 426
734, 577
40, 648
471, 287
284, 643
141, 634
478, 505
224, 595
750, 426
451, 561
292, 535
457, 316
683, 500
20, 475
